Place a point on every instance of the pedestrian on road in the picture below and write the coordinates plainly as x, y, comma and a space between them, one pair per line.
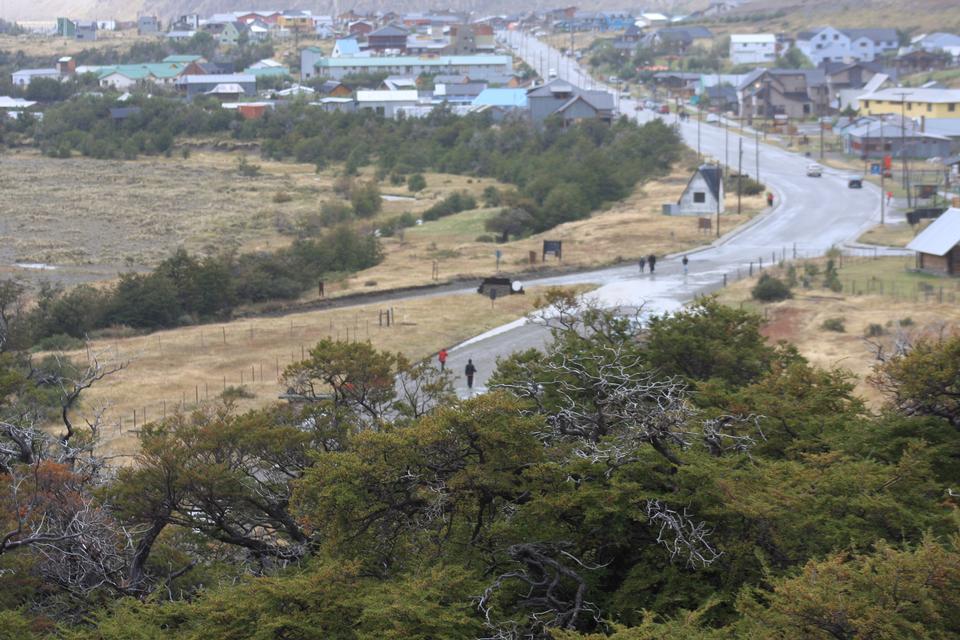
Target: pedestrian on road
470, 371
642, 263
889, 197
685, 262
652, 261
442, 357
769, 199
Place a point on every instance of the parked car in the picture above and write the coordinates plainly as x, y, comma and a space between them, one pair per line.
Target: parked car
664, 108
855, 182
814, 170
712, 117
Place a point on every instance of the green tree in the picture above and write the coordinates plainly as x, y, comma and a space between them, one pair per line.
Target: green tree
416, 182
365, 199
925, 381
509, 222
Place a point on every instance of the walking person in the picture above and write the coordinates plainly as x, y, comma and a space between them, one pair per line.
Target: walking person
642, 263
470, 371
442, 357
769, 199
652, 261
685, 262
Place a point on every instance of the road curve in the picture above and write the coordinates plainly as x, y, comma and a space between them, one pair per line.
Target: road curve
810, 216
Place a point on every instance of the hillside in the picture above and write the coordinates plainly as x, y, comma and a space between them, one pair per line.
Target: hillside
126, 9
791, 15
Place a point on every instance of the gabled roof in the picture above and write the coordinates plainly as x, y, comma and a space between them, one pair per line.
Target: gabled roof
346, 46
226, 88
753, 38
219, 78
941, 236
158, 70
502, 98
914, 95
388, 96
389, 31
877, 35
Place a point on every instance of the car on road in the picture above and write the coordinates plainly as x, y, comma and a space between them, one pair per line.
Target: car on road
664, 109
712, 117
855, 182
814, 170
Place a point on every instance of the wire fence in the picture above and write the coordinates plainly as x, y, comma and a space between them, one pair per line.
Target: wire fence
256, 355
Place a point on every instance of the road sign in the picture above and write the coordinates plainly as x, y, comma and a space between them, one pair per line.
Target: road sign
875, 168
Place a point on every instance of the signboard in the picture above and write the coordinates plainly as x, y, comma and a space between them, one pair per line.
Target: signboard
875, 169
553, 246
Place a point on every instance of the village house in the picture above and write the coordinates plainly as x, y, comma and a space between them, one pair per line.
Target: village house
561, 99
314, 64
703, 194
874, 138
912, 103
938, 246
195, 85
148, 25
387, 38
795, 93
24, 77
387, 103
753, 48
846, 45
938, 43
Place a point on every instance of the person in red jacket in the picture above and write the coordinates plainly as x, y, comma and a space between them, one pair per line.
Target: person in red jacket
442, 357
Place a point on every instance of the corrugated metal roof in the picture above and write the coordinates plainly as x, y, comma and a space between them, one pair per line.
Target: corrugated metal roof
941, 236
404, 61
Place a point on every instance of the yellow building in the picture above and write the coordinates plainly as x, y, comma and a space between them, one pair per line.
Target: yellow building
296, 23
912, 103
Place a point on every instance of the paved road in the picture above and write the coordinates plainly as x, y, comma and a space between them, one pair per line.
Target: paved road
810, 216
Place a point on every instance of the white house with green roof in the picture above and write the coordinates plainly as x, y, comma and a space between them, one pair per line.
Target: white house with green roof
127, 76
314, 64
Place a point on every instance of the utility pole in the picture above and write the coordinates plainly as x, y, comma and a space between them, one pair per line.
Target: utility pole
699, 120
726, 145
757, 131
903, 140
820, 124
719, 195
740, 176
883, 174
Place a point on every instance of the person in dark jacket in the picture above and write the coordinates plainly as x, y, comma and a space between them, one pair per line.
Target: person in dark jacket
652, 261
642, 263
470, 371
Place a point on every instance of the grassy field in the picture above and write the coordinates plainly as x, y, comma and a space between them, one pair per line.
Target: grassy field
195, 364
54, 47
880, 292
623, 232
123, 215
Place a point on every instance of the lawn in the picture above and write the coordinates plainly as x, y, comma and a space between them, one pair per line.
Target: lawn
194, 364
879, 296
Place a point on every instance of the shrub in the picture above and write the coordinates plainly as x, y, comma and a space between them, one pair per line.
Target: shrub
416, 182
874, 330
748, 186
59, 342
282, 196
365, 198
485, 238
246, 168
237, 393
834, 324
770, 289
906, 322
831, 277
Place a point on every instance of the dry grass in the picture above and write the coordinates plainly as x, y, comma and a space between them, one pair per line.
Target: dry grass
131, 214
35, 45
625, 231
800, 319
194, 364
892, 235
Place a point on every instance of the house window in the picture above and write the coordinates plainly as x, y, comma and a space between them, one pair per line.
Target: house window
699, 197
866, 104
952, 106
929, 108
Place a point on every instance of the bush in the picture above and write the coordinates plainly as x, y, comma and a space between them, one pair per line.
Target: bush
237, 393
485, 238
833, 324
874, 330
334, 213
365, 199
453, 203
247, 169
281, 196
770, 289
906, 322
59, 342
416, 182
748, 186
